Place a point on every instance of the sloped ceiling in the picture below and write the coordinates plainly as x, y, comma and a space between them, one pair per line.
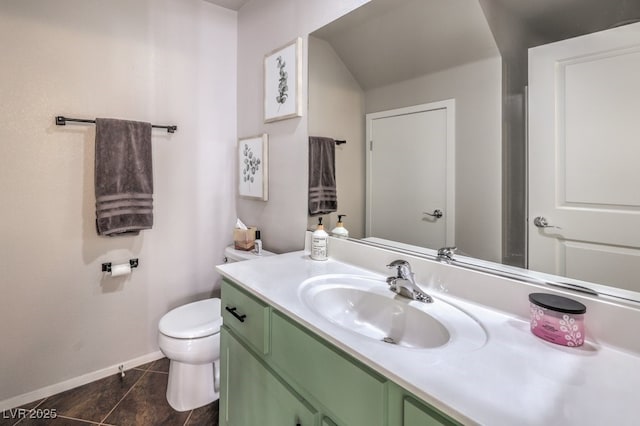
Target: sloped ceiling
424, 36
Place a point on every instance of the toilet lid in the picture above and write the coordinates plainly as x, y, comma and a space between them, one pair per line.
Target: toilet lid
193, 320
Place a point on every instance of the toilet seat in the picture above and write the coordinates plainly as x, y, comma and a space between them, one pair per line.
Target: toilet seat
193, 320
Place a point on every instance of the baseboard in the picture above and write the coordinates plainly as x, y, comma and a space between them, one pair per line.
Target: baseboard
47, 391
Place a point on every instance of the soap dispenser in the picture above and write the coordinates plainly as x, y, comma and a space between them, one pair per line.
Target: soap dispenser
319, 239
340, 231
258, 244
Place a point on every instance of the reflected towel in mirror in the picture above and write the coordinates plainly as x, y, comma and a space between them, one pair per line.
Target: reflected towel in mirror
323, 196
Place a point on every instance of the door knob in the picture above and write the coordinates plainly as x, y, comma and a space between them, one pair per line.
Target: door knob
541, 222
436, 213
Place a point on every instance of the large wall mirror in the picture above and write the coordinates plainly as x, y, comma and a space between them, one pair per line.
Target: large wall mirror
377, 68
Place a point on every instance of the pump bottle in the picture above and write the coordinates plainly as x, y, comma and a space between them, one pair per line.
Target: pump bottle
340, 231
319, 239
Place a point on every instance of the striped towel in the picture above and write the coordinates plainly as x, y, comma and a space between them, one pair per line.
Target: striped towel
323, 196
123, 177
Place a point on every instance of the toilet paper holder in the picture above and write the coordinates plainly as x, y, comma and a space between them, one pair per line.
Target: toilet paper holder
106, 267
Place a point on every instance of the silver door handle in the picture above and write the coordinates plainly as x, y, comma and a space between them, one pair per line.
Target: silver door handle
541, 222
436, 213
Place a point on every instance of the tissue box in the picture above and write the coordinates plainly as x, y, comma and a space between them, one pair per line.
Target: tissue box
244, 239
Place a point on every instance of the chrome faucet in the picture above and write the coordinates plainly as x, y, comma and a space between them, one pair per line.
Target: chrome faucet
446, 253
404, 284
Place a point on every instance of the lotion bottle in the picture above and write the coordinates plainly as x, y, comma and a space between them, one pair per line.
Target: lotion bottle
319, 239
340, 231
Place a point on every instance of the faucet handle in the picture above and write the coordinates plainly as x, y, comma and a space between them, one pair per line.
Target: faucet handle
404, 268
446, 252
398, 263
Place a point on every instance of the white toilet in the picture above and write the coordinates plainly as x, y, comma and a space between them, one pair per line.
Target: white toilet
190, 337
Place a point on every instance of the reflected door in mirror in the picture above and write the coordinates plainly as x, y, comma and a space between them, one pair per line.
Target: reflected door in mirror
408, 193
584, 156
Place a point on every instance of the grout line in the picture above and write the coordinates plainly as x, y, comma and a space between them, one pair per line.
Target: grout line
159, 372
80, 420
150, 368
188, 418
123, 397
33, 408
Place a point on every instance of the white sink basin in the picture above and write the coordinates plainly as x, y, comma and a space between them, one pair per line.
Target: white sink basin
366, 306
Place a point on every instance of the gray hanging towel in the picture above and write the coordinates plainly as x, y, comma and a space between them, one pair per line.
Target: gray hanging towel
123, 177
323, 197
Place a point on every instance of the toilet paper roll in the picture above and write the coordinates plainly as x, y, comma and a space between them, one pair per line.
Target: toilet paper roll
121, 269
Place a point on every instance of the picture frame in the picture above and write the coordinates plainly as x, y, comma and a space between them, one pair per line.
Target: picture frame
253, 167
283, 82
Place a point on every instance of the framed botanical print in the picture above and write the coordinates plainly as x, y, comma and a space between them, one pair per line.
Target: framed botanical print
283, 82
253, 177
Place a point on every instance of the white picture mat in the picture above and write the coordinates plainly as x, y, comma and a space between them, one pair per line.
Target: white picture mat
282, 91
253, 167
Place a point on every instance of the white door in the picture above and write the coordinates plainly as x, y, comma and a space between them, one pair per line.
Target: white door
584, 157
410, 173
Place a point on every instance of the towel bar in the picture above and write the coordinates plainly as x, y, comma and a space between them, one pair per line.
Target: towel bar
62, 121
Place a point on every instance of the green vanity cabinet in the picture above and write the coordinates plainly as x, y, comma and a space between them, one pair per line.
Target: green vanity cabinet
251, 395
276, 372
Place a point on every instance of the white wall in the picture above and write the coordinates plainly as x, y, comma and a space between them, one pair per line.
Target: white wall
336, 109
477, 89
164, 61
265, 25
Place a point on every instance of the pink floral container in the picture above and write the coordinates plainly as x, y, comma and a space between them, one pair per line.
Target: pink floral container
557, 319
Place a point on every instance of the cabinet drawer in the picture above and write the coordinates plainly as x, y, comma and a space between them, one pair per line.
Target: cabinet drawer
247, 316
355, 395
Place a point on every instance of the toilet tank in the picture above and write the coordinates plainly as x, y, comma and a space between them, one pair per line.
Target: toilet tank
233, 255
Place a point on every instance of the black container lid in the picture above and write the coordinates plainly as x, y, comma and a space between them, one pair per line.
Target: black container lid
557, 303
257, 234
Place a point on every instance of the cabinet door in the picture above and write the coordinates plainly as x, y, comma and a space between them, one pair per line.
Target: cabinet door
251, 395
418, 414
326, 421
356, 395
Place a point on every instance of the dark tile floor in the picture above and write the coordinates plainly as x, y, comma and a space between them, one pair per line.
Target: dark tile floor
138, 400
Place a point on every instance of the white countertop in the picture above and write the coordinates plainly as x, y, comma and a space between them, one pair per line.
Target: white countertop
515, 378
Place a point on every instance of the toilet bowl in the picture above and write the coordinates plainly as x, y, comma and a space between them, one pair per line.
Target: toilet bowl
189, 336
